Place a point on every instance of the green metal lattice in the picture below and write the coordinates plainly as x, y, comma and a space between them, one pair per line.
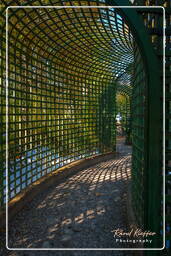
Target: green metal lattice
65, 67
60, 104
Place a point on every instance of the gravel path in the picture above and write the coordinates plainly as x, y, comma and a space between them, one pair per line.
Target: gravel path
80, 212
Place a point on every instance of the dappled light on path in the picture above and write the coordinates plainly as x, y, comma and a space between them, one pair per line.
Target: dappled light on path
80, 212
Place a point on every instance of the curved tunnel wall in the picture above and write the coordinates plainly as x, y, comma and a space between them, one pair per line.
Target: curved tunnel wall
63, 64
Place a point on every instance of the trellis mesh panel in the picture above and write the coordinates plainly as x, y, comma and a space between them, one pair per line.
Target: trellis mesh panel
61, 91
123, 110
123, 100
154, 22
138, 138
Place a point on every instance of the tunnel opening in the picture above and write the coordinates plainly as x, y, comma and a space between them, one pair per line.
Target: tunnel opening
71, 73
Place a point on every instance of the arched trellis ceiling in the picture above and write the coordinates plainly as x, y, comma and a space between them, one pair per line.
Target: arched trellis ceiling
114, 64
88, 41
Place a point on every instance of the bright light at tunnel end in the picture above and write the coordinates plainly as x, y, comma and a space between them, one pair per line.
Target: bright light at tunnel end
7, 110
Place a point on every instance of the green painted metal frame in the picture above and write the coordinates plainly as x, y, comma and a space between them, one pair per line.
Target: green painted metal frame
154, 22
153, 166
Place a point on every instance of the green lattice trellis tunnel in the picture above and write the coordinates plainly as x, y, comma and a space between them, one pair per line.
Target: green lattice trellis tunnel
66, 69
